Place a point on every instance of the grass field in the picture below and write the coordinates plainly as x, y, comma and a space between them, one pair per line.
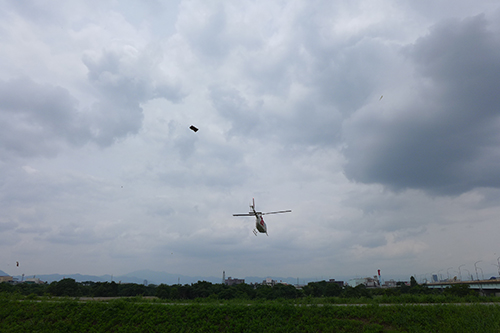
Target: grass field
44, 314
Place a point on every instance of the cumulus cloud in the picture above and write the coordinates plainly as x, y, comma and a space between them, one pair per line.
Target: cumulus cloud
38, 118
448, 124
97, 158
124, 79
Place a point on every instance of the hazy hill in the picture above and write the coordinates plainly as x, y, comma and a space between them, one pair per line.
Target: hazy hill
154, 277
138, 277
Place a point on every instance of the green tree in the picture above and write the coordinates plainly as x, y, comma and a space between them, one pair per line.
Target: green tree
227, 293
174, 292
264, 291
413, 282
356, 292
132, 289
65, 287
6, 287
163, 291
460, 290
105, 289
244, 291
315, 289
285, 291
202, 289
332, 290
185, 291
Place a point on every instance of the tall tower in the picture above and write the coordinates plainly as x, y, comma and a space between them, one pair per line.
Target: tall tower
223, 277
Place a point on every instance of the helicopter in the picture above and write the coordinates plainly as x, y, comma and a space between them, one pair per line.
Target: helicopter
260, 225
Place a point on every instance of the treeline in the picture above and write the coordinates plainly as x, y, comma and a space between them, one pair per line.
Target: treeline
203, 289
69, 287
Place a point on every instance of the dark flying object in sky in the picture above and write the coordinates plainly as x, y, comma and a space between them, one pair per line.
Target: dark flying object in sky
17, 263
193, 128
381, 97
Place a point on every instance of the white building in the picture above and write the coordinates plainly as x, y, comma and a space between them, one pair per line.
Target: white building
33, 280
367, 281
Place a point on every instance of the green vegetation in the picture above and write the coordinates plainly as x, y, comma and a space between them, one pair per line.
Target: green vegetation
206, 307
132, 315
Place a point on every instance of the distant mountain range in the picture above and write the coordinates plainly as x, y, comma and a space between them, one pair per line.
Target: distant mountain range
151, 277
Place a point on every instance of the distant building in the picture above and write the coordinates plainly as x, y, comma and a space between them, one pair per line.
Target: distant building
281, 282
368, 282
33, 281
390, 284
269, 282
339, 283
355, 282
232, 282
6, 278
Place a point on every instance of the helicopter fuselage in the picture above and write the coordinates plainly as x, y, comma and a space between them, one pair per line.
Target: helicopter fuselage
260, 225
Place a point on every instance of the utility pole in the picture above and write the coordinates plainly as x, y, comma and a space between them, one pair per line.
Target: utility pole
477, 276
459, 272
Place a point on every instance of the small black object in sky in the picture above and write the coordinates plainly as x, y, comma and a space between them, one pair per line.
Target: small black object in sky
193, 128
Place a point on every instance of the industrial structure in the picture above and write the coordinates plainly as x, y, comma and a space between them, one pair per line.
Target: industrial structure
232, 282
484, 287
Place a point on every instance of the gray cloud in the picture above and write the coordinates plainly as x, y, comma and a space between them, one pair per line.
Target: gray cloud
97, 159
6, 226
37, 118
208, 36
234, 107
76, 234
436, 140
124, 78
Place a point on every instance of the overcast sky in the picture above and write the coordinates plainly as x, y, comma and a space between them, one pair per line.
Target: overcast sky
377, 122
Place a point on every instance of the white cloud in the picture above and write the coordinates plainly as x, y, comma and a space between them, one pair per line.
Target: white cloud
97, 159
